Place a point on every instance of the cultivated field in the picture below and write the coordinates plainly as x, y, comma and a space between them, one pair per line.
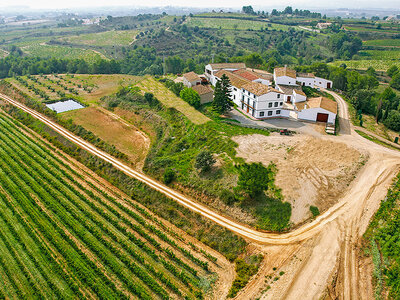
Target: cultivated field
112, 129
383, 43
107, 38
65, 233
47, 51
225, 23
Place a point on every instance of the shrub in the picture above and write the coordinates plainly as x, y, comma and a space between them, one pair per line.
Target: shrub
254, 178
314, 210
227, 197
191, 97
204, 161
169, 176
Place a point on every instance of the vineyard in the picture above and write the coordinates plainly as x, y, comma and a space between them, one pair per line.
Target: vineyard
225, 23
48, 51
64, 233
107, 38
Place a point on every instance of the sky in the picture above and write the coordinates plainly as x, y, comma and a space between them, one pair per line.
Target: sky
57, 4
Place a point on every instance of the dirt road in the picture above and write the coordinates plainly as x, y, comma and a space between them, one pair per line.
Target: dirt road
330, 237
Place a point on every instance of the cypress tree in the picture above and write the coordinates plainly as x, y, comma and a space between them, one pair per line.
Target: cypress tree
222, 96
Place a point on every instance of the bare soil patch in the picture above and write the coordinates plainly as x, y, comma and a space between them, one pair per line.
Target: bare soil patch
311, 171
126, 138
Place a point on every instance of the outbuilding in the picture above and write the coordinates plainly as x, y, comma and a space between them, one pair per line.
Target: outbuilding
191, 79
206, 93
319, 109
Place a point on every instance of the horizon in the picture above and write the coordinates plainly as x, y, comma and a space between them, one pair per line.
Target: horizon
206, 4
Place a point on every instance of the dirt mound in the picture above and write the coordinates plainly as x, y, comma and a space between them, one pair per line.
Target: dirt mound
311, 171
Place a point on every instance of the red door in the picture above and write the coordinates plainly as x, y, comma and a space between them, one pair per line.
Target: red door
328, 85
288, 98
247, 109
322, 117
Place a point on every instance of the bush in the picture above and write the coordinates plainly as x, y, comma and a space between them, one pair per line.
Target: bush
227, 197
191, 97
254, 178
204, 161
314, 210
169, 176
393, 120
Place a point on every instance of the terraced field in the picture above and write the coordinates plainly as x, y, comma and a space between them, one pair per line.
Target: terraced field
225, 23
46, 51
383, 43
64, 233
107, 38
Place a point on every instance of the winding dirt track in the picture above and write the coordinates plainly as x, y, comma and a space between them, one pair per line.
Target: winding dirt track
360, 191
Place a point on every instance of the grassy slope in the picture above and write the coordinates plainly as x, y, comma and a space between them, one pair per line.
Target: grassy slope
169, 99
107, 38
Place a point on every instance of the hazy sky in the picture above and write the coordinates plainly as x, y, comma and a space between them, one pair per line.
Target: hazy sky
50, 4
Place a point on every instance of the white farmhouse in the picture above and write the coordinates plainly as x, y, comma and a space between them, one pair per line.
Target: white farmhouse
261, 101
237, 82
309, 79
284, 76
212, 69
319, 109
191, 79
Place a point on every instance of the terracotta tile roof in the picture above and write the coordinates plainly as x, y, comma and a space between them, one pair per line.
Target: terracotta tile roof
261, 73
323, 102
228, 66
236, 80
191, 76
202, 89
247, 74
259, 89
288, 89
285, 71
306, 75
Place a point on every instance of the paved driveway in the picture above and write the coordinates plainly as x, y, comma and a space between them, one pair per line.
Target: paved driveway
291, 124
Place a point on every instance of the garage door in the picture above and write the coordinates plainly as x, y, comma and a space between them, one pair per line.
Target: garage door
322, 117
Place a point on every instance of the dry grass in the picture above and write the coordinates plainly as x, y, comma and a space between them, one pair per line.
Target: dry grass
104, 85
169, 99
379, 129
126, 138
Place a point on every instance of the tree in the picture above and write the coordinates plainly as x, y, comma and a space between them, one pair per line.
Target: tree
248, 10
395, 82
371, 71
392, 71
393, 120
169, 176
288, 10
204, 161
190, 96
254, 178
222, 96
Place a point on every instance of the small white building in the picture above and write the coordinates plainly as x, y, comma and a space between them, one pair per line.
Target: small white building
323, 25
191, 79
299, 96
212, 69
284, 76
319, 109
324, 83
308, 79
262, 102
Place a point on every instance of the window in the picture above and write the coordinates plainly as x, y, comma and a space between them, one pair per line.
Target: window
254, 96
278, 96
276, 104
261, 114
242, 98
235, 89
234, 97
254, 104
278, 111
248, 93
281, 103
270, 104
270, 113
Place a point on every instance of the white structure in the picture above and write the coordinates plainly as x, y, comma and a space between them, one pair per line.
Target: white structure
319, 109
284, 76
191, 79
261, 101
299, 96
324, 83
212, 69
306, 79
237, 82
323, 25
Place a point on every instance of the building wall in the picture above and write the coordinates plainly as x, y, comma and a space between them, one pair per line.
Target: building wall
298, 98
262, 107
286, 80
310, 114
205, 98
321, 82
305, 81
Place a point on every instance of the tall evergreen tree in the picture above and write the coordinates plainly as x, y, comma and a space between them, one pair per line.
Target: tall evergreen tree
222, 96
